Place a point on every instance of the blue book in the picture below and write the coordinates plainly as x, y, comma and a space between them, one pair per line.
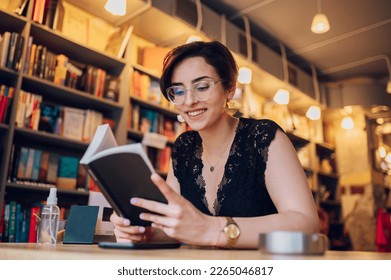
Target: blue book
22, 163
18, 222
36, 165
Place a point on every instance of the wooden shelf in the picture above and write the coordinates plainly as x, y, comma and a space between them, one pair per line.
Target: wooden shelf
149, 72
11, 22
325, 148
55, 41
45, 138
8, 76
335, 203
154, 106
138, 136
297, 140
36, 188
3, 126
332, 176
68, 96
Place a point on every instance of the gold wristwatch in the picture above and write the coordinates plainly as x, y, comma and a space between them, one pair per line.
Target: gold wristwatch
231, 232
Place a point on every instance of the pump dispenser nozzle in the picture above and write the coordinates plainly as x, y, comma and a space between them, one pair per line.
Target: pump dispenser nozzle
52, 198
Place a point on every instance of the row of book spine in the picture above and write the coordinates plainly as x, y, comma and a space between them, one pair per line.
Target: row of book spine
19, 222
42, 168
148, 120
6, 96
147, 88
77, 124
48, 12
61, 70
11, 49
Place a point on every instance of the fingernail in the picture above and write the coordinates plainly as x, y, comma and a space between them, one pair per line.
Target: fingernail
134, 200
141, 229
126, 222
142, 216
155, 176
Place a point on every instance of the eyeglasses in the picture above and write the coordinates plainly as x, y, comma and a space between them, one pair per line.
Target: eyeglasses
200, 90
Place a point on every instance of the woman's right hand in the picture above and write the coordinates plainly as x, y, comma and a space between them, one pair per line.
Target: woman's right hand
125, 232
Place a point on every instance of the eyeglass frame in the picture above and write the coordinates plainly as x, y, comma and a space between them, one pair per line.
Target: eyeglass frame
208, 80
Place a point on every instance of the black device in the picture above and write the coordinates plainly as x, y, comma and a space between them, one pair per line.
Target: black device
135, 246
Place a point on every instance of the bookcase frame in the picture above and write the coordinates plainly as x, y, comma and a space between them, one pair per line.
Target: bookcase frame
10, 134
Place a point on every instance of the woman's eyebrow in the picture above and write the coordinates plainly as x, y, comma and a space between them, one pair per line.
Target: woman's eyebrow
193, 81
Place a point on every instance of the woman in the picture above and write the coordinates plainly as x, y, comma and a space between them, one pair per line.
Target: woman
230, 178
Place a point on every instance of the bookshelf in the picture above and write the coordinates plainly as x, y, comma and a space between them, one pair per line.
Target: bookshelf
123, 112
12, 137
147, 105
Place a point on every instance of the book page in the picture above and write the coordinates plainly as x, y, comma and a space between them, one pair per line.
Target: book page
103, 139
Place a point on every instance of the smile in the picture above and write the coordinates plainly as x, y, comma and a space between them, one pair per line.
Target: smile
195, 113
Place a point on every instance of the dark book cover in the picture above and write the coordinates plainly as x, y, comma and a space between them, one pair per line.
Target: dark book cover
121, 172
16, 64
11, 49
49, 12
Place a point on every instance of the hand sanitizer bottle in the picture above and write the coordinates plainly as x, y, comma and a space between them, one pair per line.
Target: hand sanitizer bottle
47, 231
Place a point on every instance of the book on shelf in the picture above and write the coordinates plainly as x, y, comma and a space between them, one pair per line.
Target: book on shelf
118, 41
67, 172
38, 11
52, 171
111, 91
33, 223
21, 9
121, 172
49, 13
6, 96
4, 45
72, 123
152, 57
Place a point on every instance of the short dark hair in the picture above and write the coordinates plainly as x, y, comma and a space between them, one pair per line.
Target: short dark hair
215, 54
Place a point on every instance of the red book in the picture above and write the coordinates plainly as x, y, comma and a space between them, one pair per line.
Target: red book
34, 216
38, 11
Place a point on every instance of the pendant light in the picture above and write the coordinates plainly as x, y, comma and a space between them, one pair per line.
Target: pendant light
116, 7
281, 97
347, 123
200, 18
313, 113
282, 94
320, 23
245, 75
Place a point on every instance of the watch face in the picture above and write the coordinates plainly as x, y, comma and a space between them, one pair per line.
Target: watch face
232, 231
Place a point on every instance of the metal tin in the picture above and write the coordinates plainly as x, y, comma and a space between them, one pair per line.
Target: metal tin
297, 243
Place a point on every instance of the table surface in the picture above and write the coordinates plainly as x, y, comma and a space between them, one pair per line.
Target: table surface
30, 251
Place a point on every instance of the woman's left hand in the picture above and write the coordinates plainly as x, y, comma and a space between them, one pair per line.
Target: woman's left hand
179, 219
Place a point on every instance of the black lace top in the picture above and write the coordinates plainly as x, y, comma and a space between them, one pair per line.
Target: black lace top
242, 191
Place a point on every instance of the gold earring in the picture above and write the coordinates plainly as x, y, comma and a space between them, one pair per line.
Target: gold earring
230, 108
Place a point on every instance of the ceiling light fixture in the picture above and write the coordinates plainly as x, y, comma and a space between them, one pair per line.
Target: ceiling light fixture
313, 113
281, 97
116, 7
282, 94
193, 38
347, 123
245, 75
320, 23
200, 18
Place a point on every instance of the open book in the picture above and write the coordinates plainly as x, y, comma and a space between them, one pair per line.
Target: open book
121, 172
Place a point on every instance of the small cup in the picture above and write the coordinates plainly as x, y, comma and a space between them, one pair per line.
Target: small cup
61, 230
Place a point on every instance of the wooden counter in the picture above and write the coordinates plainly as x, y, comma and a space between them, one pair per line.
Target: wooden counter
31, 251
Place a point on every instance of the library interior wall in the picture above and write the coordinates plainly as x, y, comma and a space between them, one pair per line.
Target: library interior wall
352, 159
